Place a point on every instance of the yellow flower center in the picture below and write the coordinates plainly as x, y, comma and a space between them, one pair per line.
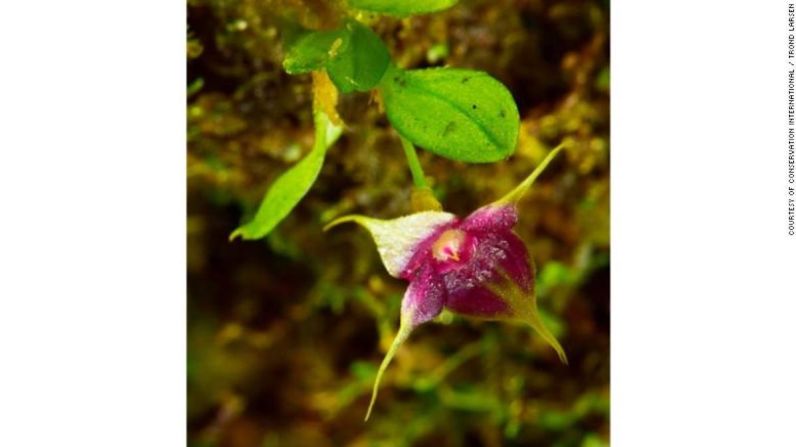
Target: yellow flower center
449, 245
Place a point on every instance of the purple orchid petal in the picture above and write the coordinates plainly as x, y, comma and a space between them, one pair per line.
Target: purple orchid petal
424, 298
491, 218
498, 258
496, 282
475, 301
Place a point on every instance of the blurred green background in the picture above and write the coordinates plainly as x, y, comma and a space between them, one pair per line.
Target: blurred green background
285, 334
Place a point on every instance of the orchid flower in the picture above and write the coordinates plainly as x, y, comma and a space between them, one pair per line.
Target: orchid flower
476, 266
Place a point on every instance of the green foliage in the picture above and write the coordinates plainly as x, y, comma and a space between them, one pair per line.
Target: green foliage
313, 50
402, 8
459, 114
463, 115
354, 56
291, 186
361, 61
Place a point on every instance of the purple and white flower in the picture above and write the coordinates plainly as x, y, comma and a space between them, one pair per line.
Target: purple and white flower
476, 266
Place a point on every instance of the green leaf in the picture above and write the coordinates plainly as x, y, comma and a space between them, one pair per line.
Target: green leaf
291, 186
313, 50
361, 61
459, 114
354, 56
402, 8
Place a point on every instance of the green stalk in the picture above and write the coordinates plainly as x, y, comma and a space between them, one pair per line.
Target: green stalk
414, 164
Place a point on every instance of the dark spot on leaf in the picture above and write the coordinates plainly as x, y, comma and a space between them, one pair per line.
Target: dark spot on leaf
465, 79
450, 127
475, 106
502, 113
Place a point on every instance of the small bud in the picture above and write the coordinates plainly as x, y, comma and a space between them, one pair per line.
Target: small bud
325, 96
423, 200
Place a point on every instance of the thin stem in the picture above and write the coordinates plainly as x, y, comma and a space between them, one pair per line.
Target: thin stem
414, 163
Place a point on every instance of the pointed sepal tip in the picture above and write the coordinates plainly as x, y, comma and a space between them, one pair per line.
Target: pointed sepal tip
403, 333
516, 194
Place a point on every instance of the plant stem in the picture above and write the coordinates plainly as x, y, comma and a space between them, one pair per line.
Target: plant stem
414, 164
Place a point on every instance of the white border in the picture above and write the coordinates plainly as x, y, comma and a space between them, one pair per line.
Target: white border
703, 277
92, 233
92, 240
